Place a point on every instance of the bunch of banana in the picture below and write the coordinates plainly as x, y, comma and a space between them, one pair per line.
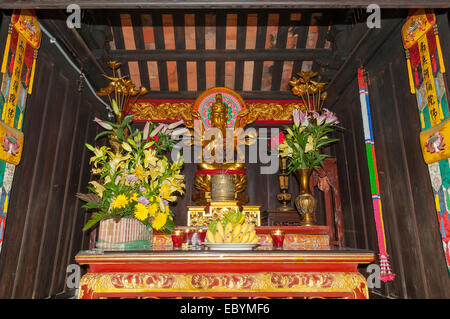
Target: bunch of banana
231, 229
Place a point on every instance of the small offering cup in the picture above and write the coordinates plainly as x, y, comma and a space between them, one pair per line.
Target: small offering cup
177, 238
201, 235
277, 238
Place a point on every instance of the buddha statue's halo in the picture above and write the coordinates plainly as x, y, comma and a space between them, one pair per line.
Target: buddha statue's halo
206, 101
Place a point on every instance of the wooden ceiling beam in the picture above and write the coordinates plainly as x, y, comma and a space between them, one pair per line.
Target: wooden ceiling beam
220, 4
74, 45
246, 95
220, 55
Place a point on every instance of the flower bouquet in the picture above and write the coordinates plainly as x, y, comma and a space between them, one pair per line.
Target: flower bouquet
306, 137
301, 146
137, 182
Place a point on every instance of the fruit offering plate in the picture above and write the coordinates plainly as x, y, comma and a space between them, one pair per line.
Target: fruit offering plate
231, 246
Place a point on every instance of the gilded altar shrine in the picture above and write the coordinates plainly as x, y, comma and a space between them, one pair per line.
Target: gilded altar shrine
203, 215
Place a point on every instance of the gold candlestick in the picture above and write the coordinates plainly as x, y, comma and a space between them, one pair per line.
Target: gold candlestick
284, 197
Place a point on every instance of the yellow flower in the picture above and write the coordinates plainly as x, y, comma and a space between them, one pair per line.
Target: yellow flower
117, 162
159, 221
152, 209
120, 201
285, 150
97, 171
166, 191
98, 188
157, 170
141, 212
134, 197
150, 158
140, 173
309, 145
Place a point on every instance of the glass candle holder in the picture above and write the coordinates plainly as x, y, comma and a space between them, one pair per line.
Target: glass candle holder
201, 235
188, 235
177, 238
277, 238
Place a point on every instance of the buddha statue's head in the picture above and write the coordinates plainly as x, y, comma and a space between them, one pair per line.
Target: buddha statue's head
219, 113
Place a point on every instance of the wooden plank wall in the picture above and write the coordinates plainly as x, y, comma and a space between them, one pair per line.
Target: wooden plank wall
43, 228
412, 233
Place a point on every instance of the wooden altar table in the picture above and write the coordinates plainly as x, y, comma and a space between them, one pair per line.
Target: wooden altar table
263, 272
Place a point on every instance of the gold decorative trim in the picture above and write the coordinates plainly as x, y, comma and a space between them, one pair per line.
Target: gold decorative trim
203, 215
95, 285
271, 112
147, 111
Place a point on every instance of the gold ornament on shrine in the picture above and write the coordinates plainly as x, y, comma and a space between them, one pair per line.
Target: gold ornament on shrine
119, 92
311, 92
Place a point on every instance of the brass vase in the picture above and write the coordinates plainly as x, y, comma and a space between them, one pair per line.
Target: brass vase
223, 187
305, 201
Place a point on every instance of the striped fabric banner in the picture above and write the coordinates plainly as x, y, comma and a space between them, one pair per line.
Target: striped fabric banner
17, 68
386, 274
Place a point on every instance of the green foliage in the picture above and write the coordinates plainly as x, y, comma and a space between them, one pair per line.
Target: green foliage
95, 218
303, 143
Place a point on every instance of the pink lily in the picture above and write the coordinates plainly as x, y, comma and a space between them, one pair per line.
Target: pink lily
296, 117
304, 119
103, 124
156, 130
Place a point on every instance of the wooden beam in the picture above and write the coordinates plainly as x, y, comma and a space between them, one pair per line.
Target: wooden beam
277, 69
302, 32
261, 34
323, 32
115, 22
200, 45
74, 45
246, 95
240, 45
180, 43
220, 55
139, 41
160, 45
220, 4
221, 22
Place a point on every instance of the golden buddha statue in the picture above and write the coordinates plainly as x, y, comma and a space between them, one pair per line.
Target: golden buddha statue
214, 161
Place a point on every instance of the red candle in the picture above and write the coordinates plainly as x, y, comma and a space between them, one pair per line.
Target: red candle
177, 238
201, 234
188, 234
278, 238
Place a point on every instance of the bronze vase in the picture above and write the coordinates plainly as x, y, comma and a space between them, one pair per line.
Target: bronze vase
305, 201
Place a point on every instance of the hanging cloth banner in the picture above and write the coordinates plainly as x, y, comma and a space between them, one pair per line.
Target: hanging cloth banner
386, 274
425, 70
19, 62
18, 68
424, 61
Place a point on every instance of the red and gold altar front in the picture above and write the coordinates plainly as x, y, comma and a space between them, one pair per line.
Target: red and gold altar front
306, 267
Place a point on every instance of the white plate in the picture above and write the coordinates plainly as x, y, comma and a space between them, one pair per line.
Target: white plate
231, 246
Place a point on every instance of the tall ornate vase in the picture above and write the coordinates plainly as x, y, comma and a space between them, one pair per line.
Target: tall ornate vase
305, 201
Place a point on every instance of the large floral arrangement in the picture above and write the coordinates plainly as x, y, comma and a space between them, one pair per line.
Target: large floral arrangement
137, 181
303, 141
